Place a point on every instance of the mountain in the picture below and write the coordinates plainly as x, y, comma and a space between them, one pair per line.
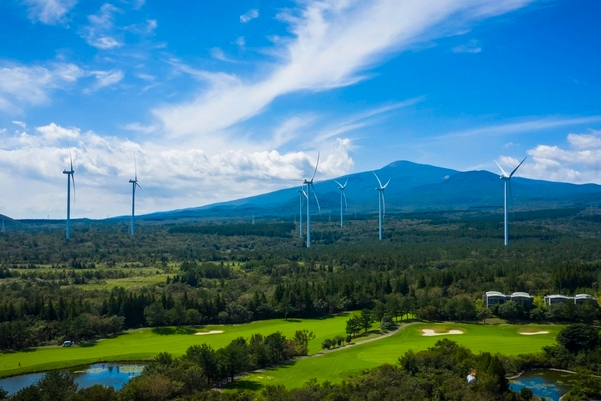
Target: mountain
413, 187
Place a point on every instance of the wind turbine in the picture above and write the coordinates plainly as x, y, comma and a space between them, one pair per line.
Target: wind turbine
134, 184
342, 195
301, 193
507, 179
381, 201
70, 178
309, 184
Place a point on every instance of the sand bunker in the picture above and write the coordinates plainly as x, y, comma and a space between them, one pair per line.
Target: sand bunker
204, 333
534, 333
430, 332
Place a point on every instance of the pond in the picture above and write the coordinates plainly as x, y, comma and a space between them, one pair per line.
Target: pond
107, 374
550, 384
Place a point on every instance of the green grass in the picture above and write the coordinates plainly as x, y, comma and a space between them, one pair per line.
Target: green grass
335, 366
127, 282
147, 343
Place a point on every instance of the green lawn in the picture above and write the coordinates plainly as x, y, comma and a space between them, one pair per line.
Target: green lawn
337, 365
147, 343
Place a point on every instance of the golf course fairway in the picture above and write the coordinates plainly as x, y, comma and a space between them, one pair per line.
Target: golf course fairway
335, 366
145, 344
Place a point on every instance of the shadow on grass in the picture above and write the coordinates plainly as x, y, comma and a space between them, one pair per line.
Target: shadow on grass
243, 384
86, 344
167, 331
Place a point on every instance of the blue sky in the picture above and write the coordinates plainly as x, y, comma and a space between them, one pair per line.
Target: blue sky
220, 100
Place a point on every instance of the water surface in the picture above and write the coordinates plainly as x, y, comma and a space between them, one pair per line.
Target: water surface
550, 384
107, 374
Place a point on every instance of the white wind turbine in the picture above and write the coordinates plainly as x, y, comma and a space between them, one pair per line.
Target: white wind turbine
342, 195
309, 184
381, 201
70, 178
134, 184
507, 179
301, 193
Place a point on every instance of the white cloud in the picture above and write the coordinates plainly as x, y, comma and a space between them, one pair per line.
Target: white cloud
53, 132
146, 77
99, 32
20, 124
32, 84
250, 15
107, 78
49, 11
241, 42
538, 124
171, 177
137, 127
333, 41
471, 47
580, 163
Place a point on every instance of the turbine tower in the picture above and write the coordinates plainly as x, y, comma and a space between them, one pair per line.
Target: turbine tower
70, 178
309, 184
381, 202
134, 184
342, 195
507, 180
301, 193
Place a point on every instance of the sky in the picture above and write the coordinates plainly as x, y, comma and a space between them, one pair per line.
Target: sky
218, 100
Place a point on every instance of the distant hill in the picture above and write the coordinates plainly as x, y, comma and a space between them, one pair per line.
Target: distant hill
413, 187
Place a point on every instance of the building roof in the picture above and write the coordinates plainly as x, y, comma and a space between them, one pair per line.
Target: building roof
584, 296
557, 296
494, 294
521, 294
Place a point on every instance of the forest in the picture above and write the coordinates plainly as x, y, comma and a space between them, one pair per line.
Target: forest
435, 266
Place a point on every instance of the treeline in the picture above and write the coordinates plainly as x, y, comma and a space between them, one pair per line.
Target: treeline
438, 373
168, 377
283, 230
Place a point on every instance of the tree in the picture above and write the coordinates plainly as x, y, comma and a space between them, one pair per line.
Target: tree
155, 314
3, 393
205, 357
234, 357
578, 337
193, 317
301, 341
178, 314
366, 319
509, 310
353, 325
57, 385
96, 392
326, 344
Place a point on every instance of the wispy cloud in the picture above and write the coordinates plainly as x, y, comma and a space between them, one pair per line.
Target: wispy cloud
250, 15
107, 78
49, 12
471, 47
538, 124
31, 84
332, 43
99, 32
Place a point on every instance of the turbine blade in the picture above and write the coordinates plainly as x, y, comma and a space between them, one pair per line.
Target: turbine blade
516, 169
502, 171
345, 183
135, 169
385, 185
316, 164
339, 184
316, 200
304, 193
378, 178
345, 202
138, 185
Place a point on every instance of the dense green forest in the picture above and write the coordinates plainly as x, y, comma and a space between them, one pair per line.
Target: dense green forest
434, 265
